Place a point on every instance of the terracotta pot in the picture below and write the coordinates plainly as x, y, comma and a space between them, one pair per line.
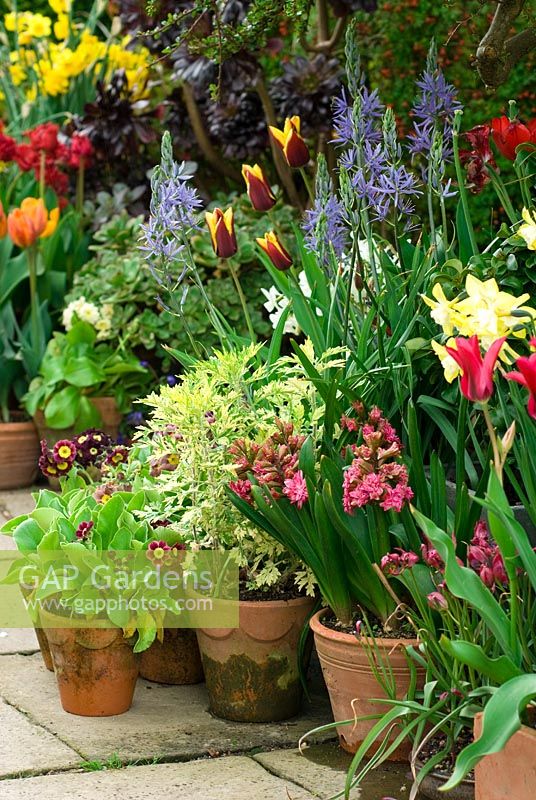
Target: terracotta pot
176, 660
431, 785
19, 454
352, 684
252, 671
96, 669
510, 774
110, 421
45, 648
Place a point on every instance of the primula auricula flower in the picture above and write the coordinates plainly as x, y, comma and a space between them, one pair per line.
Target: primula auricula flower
528, 230
526, 376
477, 372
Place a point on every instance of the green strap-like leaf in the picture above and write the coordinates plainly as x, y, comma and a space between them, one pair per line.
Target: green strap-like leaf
499, 670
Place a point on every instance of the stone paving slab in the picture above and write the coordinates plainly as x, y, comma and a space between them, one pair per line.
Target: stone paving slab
321, 769
165, 722
234, 778
27, 748
17, 640
14, 502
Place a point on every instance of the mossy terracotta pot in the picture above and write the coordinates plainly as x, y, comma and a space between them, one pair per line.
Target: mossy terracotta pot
110, 421
41, 636
19, 454
352, 684
510, 774
96, 668
175, 660
252, 671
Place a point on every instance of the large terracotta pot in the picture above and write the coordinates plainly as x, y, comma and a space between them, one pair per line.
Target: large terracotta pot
45, 648
19, 454
510, 774
176, 660
352, 684
96, 669
252, 671
110, 421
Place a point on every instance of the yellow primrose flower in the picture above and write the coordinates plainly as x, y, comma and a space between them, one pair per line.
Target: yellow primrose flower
528, 230
60, 6
450, 366
18, 74
442, 310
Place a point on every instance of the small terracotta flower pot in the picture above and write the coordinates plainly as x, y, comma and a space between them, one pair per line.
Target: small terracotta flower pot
510, 774
176, 660
352, 684
45, 648
110, 421
430, 787
252, 671
19, 454
96, 669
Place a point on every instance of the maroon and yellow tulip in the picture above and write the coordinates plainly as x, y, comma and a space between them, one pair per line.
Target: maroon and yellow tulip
221, 226
31, 221
291, 143
275, 251
258, 189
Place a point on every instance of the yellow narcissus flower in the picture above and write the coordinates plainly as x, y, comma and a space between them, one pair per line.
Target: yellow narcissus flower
450, 366
60, 6
491, 313
528, 230
442, 310
61, 27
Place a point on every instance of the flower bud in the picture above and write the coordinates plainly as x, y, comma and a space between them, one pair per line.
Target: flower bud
221, 226
437, 601
291, 143
275, 251
258, 189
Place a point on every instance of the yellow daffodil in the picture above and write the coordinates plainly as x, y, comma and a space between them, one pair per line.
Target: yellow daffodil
528, 230
60, 6
61, 27
442, 310
450, 366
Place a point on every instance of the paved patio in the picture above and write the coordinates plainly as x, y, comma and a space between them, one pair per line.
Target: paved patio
167, 745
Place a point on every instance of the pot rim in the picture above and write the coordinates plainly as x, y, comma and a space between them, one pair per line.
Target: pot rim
8, 427
440, 777
295, 601
348, 638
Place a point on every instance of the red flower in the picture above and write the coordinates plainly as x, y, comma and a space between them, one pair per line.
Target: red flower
509, 135
44, 137
8, 147
526, 377
477, 373
278, 255
258, 189
478, 157
80, 152
25, 157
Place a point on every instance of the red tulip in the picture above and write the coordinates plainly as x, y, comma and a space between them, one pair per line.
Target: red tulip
221, 226
526, 377
477, 374
258, 189
44, 137
509, 135
291, 142
275, 251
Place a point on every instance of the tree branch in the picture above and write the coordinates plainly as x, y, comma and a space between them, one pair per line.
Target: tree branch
497, 53
205, 145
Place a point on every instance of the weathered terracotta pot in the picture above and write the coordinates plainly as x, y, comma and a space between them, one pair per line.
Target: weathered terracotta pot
252, 671
510, 774
110, 421
96, 669
19, 454
45, 648
176, 660
352, 684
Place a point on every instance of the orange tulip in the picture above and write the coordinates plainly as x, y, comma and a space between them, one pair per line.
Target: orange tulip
291, 143
258, 189
275, 251
31, 221
221, 226
3, 221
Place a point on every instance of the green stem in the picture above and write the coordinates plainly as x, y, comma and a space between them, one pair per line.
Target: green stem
234, 274
42, 165
308, 185
503, 196
37, 338
80, 187
497, 462
461, 182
